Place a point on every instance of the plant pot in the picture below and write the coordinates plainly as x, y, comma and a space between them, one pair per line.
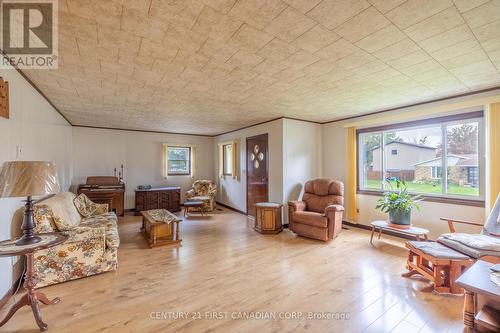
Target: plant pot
400, 219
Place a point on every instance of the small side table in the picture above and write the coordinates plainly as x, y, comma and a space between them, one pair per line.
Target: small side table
418, 233
482, 298
268, 218
32, 297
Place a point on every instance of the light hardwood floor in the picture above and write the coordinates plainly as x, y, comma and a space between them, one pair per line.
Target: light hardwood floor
224, 265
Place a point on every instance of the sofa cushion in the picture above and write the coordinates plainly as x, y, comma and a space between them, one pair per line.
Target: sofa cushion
109, 221
310, 218
62, 207
43, 219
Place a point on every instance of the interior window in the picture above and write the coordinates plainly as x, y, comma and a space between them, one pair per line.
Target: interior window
179, 160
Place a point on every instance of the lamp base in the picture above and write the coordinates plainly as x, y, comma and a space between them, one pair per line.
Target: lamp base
27, 240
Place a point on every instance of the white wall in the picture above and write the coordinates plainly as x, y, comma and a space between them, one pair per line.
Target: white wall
40, 133
302, 157
233, 192
96, 152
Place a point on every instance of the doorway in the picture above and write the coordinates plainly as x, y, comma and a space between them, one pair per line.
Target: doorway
257, 171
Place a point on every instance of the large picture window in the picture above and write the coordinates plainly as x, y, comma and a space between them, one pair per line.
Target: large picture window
419, 152
179, 161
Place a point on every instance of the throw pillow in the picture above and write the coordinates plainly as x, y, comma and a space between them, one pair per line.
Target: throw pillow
84, 205
44, 219
63, 225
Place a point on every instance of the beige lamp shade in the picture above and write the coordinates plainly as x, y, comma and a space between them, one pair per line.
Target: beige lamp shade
28, 178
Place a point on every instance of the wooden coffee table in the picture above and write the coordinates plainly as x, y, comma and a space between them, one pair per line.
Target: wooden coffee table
158, 227
194, 204
418, 233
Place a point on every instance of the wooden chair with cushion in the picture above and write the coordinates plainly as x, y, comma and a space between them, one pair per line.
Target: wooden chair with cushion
319, 214
485, 245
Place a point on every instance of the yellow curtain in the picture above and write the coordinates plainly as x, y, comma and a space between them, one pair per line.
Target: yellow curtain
351, 187
236, 169
193, 160
221, 161
165, 161
493, 119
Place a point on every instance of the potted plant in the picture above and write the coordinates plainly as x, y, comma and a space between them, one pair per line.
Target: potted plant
398, 202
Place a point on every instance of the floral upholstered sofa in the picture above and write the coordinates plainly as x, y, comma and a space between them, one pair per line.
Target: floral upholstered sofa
203, 190
93, 240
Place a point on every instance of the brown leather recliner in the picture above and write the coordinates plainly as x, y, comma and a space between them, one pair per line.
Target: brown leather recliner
319, 214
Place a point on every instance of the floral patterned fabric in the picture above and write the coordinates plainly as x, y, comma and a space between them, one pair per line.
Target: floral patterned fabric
44, 221
91, 248
109, 221
87, 207
203, 188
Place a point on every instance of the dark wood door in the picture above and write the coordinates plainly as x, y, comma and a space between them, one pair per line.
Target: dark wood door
257, 171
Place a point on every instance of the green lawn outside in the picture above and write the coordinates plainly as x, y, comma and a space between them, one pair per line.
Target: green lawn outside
429, 189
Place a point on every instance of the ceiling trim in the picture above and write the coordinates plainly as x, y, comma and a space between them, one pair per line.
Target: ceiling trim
34, 86
265, 122
145, 131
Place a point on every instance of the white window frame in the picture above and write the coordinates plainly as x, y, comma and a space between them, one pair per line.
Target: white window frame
175, 173
457, 119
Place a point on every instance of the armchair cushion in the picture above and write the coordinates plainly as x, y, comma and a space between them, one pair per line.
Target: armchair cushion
203, 190
310, 218
476, 241
298, 205
322, 192
470, 251
334, 208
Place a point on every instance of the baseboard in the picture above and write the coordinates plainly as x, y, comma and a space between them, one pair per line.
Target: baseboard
385, 232
231, 208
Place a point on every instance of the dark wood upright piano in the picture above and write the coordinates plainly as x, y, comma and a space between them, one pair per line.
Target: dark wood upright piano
105, 189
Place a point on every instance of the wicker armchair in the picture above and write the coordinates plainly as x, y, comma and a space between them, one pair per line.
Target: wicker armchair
203, 190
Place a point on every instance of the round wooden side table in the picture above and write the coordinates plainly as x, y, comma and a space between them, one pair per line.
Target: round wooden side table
9, 249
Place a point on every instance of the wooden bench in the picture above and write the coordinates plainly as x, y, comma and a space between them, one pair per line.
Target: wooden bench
438, 264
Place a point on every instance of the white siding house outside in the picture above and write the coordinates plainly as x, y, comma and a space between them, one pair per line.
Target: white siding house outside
402, 156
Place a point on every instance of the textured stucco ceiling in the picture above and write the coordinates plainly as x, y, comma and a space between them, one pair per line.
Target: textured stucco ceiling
211, 66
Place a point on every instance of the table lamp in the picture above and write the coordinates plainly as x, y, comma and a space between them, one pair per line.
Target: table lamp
27, 179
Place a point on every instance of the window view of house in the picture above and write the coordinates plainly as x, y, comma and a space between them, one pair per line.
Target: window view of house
417, 156
179, 160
